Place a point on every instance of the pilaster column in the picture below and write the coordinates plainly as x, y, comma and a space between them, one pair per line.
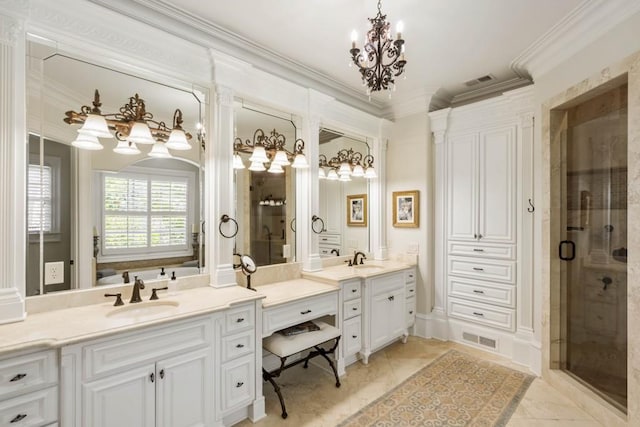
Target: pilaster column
378, 199
12, 170
307, 195
219, 195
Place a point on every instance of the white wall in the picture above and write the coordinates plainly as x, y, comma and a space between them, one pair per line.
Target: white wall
410, 167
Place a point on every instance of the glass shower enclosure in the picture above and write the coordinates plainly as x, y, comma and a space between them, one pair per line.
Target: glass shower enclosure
593, 249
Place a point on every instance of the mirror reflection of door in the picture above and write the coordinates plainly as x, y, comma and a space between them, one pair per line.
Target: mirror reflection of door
265, 201
75, 238
345, 231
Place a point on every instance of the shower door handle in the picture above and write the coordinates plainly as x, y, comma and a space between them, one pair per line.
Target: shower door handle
572, 245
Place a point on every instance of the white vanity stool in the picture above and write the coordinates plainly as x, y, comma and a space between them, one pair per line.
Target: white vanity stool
286, 346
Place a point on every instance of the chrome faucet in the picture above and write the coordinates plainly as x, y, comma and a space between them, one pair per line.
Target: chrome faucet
137, 285
355, 258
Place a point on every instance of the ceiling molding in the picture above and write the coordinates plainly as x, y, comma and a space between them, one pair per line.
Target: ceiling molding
489, 91
585, 24
182, 24
415, 105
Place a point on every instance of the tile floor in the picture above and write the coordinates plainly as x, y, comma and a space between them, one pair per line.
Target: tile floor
313, 401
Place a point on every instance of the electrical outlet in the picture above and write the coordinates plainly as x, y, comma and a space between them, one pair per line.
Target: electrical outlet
53, 272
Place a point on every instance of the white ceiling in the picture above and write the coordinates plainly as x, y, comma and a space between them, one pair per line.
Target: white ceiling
448, 42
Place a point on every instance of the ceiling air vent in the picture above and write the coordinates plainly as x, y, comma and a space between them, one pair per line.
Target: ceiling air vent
479, 80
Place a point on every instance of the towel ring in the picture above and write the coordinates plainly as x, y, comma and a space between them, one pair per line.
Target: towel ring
223, 220
292, 225
315, 219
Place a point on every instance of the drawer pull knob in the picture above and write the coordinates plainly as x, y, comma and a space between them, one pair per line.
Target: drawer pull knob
161, 374
354, 290
411, 276
240, 319
478, 269
478, 250
355, 309
391, 298
411, 290
305, 312
18, 418
354, 336
478, 292
152, 377
18, 377
475, 313
239, 384
411, 312
239, 345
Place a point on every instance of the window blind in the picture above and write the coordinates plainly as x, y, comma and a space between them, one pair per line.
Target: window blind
39, 198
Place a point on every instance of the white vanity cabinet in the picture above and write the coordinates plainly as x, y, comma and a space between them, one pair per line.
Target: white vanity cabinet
351, 298
29, 389
385, 304
410, 287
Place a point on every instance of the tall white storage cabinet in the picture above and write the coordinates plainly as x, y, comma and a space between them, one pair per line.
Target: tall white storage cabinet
484, 294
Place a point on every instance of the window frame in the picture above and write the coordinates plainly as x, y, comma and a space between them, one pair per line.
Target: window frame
147, 252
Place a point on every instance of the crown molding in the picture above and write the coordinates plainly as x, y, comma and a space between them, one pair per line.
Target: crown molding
177, 22
489, 91
582, 26
415, 105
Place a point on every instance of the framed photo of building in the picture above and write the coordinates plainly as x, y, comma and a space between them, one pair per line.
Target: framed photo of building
357, 210
406, 205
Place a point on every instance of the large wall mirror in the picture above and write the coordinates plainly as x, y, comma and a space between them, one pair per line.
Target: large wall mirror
103, 204
265, 191
344, 196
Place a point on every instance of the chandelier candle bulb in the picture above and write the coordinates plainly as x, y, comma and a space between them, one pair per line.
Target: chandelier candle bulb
354, 39
399, 29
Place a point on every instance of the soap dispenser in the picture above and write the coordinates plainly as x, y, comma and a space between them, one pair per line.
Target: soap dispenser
162, 275
173, 284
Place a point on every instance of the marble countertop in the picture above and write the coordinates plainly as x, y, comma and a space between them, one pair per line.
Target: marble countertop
71, 325
291, 290
336, 274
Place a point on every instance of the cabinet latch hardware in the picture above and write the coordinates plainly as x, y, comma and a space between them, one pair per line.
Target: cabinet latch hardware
475, 313
305, 312
478, 269
354, 290
240, 320
239, 384
18, 418
161, 374
152, 377
478, 250
239, 345
354, 336
355, 309
391, 298
478, 292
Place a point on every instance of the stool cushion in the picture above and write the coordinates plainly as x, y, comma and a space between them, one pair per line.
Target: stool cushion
284, 346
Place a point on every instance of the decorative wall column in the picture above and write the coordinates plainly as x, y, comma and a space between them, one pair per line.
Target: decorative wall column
377, 198
219, 197
439, 125
307, 195
12, 169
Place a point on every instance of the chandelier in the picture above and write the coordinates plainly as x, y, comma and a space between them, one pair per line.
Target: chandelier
132, 125
269, 149
381, 58
346, 164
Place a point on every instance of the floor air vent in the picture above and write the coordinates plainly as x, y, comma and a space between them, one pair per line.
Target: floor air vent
476, 339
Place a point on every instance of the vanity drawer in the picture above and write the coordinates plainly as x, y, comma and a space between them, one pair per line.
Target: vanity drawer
32, 409
239, 319
330, 239
410, 276
238, 345
24, 373
411, 290
116, 354
282, 316
351, 290
503, 271
486, 292
352, 308
237, 386
351, 334
411, 311
494, 316
483, 250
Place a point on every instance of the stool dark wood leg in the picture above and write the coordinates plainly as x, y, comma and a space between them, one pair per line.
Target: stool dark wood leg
323, 353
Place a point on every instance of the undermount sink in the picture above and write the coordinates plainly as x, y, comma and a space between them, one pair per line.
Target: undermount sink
143, 309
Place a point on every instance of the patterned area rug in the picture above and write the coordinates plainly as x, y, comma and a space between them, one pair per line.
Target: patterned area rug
454, 390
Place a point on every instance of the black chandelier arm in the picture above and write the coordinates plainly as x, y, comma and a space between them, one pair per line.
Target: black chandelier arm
368, 160
258, 138
177, 119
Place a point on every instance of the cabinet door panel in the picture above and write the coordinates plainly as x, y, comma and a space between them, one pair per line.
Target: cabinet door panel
462, 180
184, 391
497, 185
387, 319
126, 399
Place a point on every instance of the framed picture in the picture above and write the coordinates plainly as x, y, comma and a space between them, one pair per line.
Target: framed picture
406, 206
357, 210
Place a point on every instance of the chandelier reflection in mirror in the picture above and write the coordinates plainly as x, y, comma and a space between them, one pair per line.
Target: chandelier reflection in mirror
132, 125
346, 164
269, 149
382, 58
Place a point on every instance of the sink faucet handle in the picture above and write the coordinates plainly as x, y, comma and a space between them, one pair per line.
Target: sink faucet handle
350, 262
118, 299
154, 295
